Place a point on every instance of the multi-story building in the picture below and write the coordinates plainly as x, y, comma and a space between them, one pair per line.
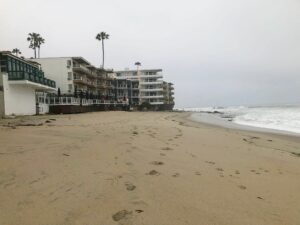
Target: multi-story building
168, 95
73, 75
76, 77
20, 80
147, 85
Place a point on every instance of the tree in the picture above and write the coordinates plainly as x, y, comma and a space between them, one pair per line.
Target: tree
35, 42
101, 37
16, 51
32, 38
40, 41
137, 64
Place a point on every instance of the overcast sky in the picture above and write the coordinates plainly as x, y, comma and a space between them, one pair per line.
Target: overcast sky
216, 52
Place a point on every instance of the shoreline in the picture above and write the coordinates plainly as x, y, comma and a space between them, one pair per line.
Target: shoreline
141, 167
221, 123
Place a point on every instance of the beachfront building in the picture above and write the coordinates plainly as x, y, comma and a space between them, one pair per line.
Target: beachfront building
168, 92
147, 86
73, 75
106, 84
20, 80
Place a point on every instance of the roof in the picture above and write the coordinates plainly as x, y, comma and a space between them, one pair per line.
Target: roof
28, 61
145, 70
78, 58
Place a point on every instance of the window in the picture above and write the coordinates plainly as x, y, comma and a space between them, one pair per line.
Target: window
70, 88
69, 63
69, 75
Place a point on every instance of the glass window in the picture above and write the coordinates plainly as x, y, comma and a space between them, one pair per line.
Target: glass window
69, 63
69, 75
9, 65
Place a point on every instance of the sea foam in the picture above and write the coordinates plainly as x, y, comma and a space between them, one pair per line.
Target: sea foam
285, 118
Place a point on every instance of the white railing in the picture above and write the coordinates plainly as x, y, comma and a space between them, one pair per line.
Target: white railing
150, 89
151, 76
150, 82
83, 101
151, 96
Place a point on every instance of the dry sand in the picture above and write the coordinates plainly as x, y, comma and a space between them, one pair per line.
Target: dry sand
144, 168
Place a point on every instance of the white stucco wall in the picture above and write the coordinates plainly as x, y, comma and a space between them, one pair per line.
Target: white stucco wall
43, 108
18, 99
56, 69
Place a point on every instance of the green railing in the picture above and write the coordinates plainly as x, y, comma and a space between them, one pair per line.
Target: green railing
36, 78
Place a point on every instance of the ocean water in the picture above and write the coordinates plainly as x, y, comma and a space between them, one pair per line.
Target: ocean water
285, 118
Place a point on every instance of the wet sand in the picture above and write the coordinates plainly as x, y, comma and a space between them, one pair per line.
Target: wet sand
144, 168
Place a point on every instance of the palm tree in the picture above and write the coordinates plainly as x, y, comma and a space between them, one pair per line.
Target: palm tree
32, 38
33, 41
40, 41
137, 64
101, 37
16, 51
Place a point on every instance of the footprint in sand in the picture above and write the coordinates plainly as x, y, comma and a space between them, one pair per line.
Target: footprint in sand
210, 162
123, 214
220, 169
157, 163
242, 187
153, 172
175, 175
162, 154
198, 173
129, 163
166, 149
130, 186
139, 210
237, 172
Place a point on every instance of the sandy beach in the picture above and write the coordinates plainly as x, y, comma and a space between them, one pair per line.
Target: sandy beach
146, 168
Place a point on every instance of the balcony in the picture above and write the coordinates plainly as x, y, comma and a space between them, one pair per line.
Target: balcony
150, 89
80, 79
122, 87
152, 96
151, 82
82, 69
156, 103
40, 82
151, 76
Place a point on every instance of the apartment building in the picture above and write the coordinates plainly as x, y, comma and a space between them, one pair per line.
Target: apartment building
73, 75
20, 80
147, 85
168, 92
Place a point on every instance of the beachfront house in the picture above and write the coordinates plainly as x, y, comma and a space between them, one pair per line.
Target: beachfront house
20, 80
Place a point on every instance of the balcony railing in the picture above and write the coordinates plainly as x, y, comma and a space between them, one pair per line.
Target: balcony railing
81, 68
150, 82
150, 89
151, 96
21, 75
82, 101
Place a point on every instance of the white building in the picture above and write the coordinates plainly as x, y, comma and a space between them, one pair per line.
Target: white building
147, 83
70, 74
19, 81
